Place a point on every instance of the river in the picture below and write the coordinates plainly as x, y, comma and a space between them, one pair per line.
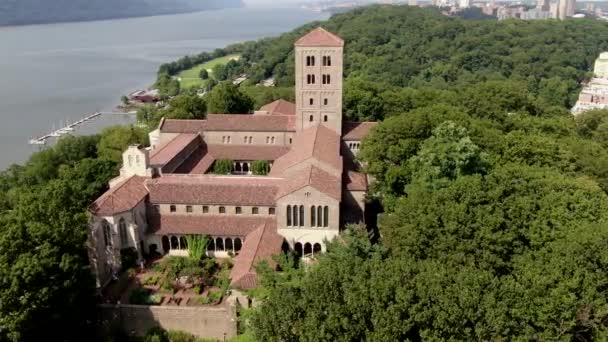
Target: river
52, 74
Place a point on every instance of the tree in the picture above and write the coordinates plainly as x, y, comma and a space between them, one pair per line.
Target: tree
226, 98
115, 140
222, 167
203, 74
260, 167
148, 115
125, 100
186, 107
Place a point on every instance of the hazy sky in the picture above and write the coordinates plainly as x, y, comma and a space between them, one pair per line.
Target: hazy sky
276, 3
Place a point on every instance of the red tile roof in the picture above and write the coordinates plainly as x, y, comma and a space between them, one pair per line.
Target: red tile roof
280, 107
355, 181
314, 177
260, 245
213, 189
182, 126
249, 123
122, 197
356, 130
317, 142
247, 152
165, 153
320, 37
212, 225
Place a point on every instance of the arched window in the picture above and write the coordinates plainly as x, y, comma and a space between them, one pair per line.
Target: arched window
229, 246
325, 102
325, 118
311, 101
301, 216
250, 140
307, 249
288, 215
137, 160
298, 249
268, 140
245, 140
219, 244
122, 229
107, 233
229, 139
237, 167
295, 215
326, 216
174, 242
211, 245
312, 60
328, 61
319, 216
130, 158
245, 167
311, 118
316, 249
314, 79
237, 244
183, 243
166, 245
313, 212
272, 140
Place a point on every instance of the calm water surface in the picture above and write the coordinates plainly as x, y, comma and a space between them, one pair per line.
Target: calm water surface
50, 74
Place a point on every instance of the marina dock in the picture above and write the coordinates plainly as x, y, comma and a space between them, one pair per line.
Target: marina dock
42, 140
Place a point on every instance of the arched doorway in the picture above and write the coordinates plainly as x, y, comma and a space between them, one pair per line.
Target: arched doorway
219, 244
298, 249
316, 249
229, 246
307, 249
166, 246
237, 244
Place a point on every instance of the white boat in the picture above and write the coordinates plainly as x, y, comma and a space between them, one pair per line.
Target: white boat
37, 142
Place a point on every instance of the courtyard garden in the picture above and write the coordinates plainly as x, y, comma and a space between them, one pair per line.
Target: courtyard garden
175, 280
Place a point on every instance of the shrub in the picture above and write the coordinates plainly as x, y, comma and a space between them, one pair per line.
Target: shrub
143, 297
222, 167
197, 246
260, 167
128, 257
152, 280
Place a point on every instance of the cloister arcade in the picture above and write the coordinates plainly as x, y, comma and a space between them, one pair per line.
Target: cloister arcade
217, 244
307, 249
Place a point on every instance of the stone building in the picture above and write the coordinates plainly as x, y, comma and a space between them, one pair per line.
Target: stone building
314, 187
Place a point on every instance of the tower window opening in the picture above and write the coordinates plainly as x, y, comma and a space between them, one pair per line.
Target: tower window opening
325, 118
325, 102
311, 101
311, 118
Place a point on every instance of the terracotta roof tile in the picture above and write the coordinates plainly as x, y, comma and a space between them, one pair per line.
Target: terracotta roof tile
124, 196
165, 153
317, 142
320, 37
213, 189
249, 123
315, 177
355, 181
212, 225
280, 107
247, 152
182, 126
356, 130
260, 245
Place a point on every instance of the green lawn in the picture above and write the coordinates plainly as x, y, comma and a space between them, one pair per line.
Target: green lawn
189, 78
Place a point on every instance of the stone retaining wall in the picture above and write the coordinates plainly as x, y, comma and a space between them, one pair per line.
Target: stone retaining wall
215, 322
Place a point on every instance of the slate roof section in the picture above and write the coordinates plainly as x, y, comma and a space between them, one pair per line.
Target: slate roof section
260, 245
356, 130
318, 142
164, 154
122, 197
280, 107
320, 37
213, 225
213, 189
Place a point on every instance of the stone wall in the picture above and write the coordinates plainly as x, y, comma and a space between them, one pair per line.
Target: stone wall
213, 322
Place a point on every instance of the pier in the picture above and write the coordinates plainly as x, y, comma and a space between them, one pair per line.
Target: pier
71, 127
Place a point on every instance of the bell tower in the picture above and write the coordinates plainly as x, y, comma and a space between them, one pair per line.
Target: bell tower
319, 71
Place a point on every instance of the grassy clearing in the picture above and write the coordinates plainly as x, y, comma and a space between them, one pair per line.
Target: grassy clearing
189, 78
